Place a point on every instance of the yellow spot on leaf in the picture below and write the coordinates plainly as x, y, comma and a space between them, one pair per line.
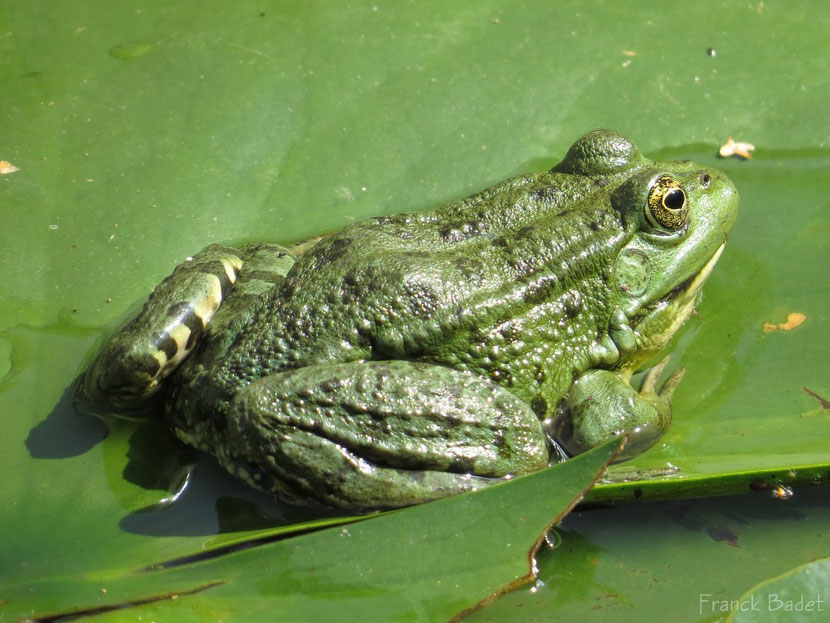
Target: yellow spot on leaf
794, 319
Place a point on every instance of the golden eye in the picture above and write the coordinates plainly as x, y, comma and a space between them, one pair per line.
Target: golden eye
667, 206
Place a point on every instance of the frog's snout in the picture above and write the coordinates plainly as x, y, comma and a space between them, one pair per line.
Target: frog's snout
729, 201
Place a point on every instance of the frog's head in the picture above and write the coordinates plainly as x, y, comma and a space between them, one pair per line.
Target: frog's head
679, 215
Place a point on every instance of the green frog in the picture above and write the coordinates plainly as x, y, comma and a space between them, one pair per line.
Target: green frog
414, 356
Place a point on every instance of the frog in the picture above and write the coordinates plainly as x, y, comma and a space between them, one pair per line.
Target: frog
418, 355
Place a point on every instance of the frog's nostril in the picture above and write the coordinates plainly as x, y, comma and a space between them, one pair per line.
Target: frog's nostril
705, 180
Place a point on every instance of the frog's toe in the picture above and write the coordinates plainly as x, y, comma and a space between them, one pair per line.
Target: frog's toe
652, 379
667, 391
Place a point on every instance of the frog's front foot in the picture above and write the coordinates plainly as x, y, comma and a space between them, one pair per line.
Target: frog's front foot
602, 404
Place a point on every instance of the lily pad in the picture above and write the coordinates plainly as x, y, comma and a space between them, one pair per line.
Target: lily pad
346, 572
140, 135
802, 594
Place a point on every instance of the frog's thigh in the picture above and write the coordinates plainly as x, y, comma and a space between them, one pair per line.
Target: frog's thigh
132, 364
380, 434
602, 404
264, 266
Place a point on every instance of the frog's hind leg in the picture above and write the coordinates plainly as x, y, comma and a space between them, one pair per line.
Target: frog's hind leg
131, 366
378, 434
264, 266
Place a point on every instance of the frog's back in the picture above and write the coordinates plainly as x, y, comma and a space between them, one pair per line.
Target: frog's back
445, 285
524, 257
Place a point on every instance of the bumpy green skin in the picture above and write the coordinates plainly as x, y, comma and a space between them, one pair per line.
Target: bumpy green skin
419, 355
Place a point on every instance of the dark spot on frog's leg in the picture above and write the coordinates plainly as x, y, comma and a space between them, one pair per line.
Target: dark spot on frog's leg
147, 364
463, 465
594, 226
549, 193
500, 241
539, 406
564, 213
143, 364
337, 248
168, 346
573, 305
505, 450
184, 313
330, 386
196, 326
415, 476
542, 290
527, 230
350, 289
179, 311
510, 330
288, 290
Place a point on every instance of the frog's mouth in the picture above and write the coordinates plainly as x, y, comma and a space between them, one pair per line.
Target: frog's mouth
688, 289
662, 319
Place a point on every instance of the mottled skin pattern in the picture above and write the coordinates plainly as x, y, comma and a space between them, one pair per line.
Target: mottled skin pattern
419, 355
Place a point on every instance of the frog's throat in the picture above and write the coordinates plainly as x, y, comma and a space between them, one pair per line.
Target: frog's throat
631, 342
658, 326
685, 293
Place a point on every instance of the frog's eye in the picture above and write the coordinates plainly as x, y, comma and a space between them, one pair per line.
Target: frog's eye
667, 206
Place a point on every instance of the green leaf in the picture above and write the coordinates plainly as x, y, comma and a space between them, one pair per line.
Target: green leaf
638, 561
346, 573
802, 594
142, 134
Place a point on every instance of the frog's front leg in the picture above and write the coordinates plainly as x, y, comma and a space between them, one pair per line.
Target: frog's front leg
213, 286
602, 404
379, 434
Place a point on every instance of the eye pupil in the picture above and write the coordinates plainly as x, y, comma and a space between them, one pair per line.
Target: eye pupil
674, 199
